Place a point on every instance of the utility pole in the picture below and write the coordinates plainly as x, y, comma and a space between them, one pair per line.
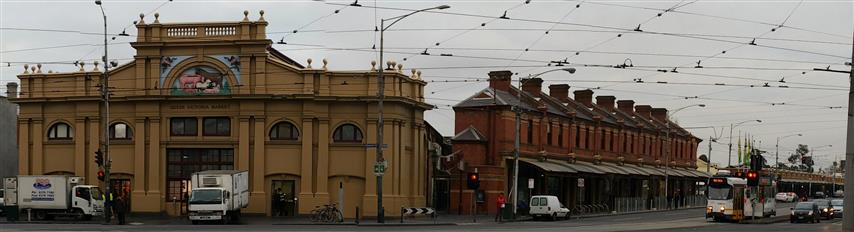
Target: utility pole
709, 156
105, 118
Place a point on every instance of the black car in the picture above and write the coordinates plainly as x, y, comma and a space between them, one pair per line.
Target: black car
805, 212
824, 208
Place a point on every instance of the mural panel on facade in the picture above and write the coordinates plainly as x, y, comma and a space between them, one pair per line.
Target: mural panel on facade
201, 80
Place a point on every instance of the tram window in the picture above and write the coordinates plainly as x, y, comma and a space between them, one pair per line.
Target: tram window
720, 193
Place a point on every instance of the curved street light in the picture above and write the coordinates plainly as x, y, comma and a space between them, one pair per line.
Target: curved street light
381, 90
731, 127
669, 144
777, 156
518, 111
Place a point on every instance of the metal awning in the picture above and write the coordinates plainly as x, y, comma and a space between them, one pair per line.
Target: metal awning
635, 170
698, 173
624, 168
644, 170
614, 169
549, 166
587, 167
677, 172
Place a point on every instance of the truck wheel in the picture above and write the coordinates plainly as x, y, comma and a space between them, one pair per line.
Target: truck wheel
78, 215
41, 215
554, 216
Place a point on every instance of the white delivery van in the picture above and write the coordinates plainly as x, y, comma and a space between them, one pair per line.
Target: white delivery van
547, 207
218, 195
49, 196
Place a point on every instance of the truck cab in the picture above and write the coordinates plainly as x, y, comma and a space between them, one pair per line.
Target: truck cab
89, 200
208, 204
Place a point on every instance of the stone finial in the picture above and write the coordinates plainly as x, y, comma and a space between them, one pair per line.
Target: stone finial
325, 62
82, 64
33, 69
26, 69
96, 66
373, 65
245, 15
262, 16
419, 74
39, 68
400, 68
390, 64
49, 71
141, 19
413, 76
309, 63
156, 18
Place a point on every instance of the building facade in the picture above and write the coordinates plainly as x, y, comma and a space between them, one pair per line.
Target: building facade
588, 154
8, 138
208, 96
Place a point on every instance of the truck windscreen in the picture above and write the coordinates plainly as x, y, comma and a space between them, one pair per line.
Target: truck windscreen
96, 193
206, 196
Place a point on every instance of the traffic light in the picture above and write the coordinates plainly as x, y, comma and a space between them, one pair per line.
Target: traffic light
752, 178
101, 175
756, 162
473, 180
99, 158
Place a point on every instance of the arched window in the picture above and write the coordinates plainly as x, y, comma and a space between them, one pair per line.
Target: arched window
347, 133
284, 131
60, 131
120, 130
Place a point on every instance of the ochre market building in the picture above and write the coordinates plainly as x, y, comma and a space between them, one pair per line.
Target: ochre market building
207, 96
597, 156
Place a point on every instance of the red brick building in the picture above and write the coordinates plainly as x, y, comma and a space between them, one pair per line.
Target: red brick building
589, 154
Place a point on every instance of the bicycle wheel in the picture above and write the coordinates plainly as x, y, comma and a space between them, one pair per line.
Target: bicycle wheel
338, 216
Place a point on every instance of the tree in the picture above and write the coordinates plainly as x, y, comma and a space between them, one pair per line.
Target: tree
801, 159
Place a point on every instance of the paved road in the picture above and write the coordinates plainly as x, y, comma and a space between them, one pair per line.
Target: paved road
678, 220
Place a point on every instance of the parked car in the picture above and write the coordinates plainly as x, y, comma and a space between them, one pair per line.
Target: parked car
824, 207
786, 196
805, 212
839, 194
837, 207
819, 195
2, 202
549, 207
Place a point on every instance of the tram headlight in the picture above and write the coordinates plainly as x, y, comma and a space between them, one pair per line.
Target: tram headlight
810, 212
825, 210
722, 209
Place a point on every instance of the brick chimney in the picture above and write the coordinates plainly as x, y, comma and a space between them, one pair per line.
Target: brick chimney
12, 90
532, 86
660, 114
627, 106
584, 97
606, 102
644, 111
500, 80
559, 91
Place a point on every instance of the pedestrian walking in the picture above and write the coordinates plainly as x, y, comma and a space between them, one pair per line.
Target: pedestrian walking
121, 209
500, 205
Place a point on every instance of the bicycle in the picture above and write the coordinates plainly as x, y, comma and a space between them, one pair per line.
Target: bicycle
327, 213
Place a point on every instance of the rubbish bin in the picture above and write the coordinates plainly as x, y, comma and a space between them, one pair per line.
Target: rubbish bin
507, 213
11, 213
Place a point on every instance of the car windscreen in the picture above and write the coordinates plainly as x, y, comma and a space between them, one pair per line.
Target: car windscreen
206, 196
836, 203
804, 206
720, 193
96, 193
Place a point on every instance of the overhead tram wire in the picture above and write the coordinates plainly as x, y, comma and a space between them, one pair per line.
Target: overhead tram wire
295, 31
601, 27
546, 32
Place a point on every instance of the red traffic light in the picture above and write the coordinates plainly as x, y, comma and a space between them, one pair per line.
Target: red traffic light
101, 175
473, 176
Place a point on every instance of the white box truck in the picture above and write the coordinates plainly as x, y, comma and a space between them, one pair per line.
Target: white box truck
47, 196
218, 195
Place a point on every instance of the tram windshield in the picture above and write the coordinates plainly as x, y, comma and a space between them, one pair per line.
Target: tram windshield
720, 192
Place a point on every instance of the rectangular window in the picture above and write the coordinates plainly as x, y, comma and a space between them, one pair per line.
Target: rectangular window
602, 140
183, 126
530, 131
577, 136
587, 139
219, 126
549, 134
560, 135
625, 142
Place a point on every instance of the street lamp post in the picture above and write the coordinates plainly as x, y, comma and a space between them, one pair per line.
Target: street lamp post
731, 127
381, 90
518, 110
667, 154
811, 150
105, 119
777, 156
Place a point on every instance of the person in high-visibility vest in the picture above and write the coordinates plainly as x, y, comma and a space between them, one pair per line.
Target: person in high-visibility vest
108, 204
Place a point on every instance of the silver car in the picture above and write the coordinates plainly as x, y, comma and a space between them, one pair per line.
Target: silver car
837, 207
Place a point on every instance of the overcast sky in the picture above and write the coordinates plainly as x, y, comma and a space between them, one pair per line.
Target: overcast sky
813, 34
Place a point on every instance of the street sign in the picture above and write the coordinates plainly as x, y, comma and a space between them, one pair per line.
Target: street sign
581, 182
531, 183
379, 168
374, 146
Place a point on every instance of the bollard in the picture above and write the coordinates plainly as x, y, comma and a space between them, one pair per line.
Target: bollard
401, 214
